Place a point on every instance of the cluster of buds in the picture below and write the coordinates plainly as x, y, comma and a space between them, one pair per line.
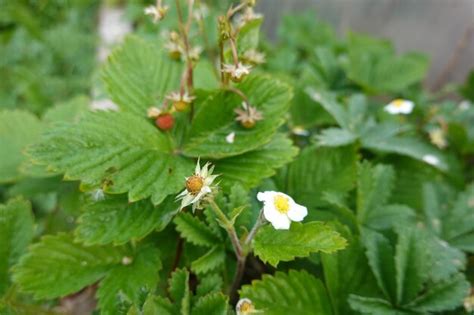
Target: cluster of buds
157, 12
248, 115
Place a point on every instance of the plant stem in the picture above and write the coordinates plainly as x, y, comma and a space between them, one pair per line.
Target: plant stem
229, 227
255, 228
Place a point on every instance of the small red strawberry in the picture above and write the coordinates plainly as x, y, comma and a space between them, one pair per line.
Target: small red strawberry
165, 121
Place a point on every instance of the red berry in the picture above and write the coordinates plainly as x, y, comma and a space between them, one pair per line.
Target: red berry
165, 121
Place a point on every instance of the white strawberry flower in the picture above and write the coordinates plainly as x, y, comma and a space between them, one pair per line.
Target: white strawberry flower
245, 307
237, 72
399, 106
281, 209
198, 186
157, 12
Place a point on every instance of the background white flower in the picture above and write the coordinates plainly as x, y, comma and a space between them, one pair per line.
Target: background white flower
281, 209
230, 137
399, 106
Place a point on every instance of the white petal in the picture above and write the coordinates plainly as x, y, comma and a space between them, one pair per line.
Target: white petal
266, 196
297, 212
279, 220
209, 179
187, 200
392, 109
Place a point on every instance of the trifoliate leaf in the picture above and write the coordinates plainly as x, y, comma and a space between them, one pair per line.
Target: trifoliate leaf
138, 75
195, 231
211, 304
16, 226
119, 152
251, 167
317, 171
297, 293
18, 129
215, 118
214, 258
56, 266
300, 240
137, 273
114, 220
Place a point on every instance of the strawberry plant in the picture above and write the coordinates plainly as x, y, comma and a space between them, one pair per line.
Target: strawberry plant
312, 175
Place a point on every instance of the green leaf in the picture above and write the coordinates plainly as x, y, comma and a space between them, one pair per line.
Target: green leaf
380, 255
335, 137
17, 227
347, 272
179, 290
211, 304
139, 75
412, 263
18, 129
250, 168
69, 111
458, 222
214, 258
443, 296
374, 306
374, 186
215, 118
209, 283
114, 220
379, 141
373, 65
135, 158
158, 305
300, 240
317, 171
56, 266
127, 281
249, 35
195, 231
329, 102
297, 293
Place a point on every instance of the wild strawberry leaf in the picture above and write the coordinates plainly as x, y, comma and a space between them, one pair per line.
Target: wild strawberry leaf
18, 129
300, 240
128, 280
215, 118
195, 231
318, 171
56, 266
114, 220
296, 292
138, 75
252, 167
16, 226
118, 152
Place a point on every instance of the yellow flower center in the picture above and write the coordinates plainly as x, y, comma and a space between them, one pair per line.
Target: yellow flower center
194, 184
398, 102
282, 204
181, 105
246, 308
